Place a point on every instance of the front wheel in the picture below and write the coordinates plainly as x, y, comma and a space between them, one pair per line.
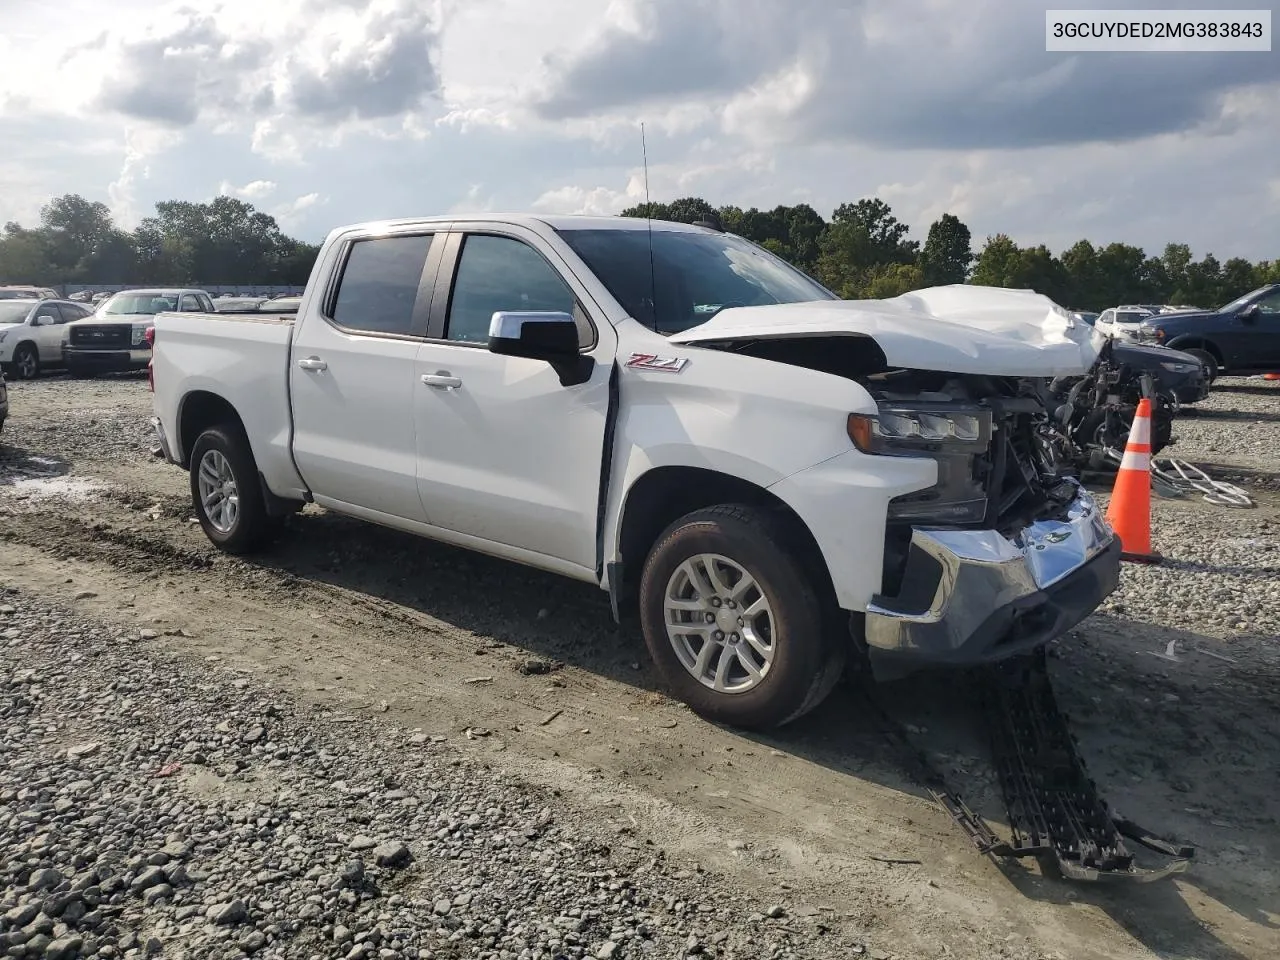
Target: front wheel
732, 621
26, 362
226, 494
1208, 361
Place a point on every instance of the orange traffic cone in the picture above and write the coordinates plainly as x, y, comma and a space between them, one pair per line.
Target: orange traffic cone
1271, 376
1129, 512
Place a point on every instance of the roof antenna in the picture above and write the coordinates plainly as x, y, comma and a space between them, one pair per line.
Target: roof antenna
648, 215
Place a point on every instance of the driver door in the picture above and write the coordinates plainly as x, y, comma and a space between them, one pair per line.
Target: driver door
506, 454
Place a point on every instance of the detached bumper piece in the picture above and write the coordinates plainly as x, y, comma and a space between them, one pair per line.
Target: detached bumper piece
974, 596
1054, 808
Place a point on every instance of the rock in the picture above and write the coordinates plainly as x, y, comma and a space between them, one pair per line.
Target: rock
228, 914
393, 855
608, 950
176, 850
45, 879
150, 877
149, 634
64, 948
777, 912
21, 915
361, 842
253, 942
157, 893
443, 907
83, 750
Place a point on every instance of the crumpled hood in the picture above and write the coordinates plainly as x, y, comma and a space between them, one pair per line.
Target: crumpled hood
958, 328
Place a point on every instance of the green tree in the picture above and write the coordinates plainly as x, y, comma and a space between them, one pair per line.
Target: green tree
892, 279
998, 263
947, 252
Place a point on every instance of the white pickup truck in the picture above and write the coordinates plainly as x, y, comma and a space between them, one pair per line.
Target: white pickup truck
773, 478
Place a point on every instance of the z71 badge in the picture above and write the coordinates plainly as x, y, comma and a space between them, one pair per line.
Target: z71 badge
650, 361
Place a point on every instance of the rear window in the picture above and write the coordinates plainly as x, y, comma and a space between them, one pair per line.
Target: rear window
379, 284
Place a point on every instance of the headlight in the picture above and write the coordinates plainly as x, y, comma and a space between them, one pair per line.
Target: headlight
139, 335
919, 428
953, 438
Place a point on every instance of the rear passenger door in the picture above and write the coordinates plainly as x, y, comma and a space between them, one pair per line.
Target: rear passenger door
352, 376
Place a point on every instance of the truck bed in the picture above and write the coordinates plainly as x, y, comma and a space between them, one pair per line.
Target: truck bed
244, 359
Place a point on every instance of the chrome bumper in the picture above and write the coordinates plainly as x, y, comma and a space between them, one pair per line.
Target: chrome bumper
972, 596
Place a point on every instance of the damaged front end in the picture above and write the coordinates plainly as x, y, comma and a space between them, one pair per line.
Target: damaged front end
1006, 550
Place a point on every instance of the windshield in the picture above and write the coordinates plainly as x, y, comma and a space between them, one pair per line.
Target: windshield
137, 303
694, 275
1241, 301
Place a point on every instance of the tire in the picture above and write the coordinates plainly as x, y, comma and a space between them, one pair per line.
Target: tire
223, 451
26, 362
1207, 360
803, 666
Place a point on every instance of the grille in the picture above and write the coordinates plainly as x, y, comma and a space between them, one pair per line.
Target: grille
114, 335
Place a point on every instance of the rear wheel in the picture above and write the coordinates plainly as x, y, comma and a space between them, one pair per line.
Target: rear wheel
26, 362
732, 621
1207, 360
226, 494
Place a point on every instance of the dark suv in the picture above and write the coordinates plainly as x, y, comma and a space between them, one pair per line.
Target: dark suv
1241, 338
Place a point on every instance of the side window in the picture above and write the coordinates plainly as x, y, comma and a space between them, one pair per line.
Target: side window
188, 303
67, 313
379, 284
206, 305
1270, 303
1107, 316
498, 273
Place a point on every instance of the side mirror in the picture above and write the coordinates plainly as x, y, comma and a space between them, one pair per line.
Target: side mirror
44, 320
1250, 313
550, 336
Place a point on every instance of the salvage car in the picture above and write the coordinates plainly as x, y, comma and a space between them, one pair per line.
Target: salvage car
114, 338
31, 333
1240, 338
770, 477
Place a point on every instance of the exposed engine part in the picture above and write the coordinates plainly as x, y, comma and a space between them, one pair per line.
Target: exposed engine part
1096, 411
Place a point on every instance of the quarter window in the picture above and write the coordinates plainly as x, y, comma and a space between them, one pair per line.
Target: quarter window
501, 274
379, 284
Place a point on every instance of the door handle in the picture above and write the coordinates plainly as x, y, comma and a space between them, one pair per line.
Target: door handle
441, 381
312, 363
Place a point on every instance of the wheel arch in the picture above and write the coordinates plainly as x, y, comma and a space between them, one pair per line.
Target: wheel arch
198, 411
663, 494
1194, 342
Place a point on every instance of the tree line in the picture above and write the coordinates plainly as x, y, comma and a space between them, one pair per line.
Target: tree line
223, 241
862, 250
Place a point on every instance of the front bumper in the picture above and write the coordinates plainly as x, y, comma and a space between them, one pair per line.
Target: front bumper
105, 360
975, 596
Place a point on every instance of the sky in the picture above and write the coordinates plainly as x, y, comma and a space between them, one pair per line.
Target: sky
326, 112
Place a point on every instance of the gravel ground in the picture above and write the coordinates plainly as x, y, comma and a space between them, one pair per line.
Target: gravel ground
134, 824
187, 731
1237, 425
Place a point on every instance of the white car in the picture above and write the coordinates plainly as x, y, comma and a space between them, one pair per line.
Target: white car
32, 331
772, 478
1123, 323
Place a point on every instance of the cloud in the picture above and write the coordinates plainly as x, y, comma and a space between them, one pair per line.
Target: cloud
597, 201
253, 190
289, 214
306, 62
379, 67
905, 74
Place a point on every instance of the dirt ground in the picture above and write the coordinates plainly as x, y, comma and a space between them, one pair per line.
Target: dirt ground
353, 619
